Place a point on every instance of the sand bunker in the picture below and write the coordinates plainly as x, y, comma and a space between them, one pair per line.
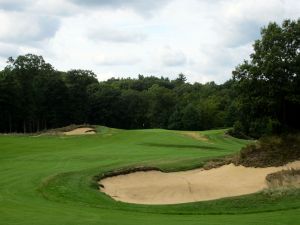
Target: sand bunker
154, 187
81, 131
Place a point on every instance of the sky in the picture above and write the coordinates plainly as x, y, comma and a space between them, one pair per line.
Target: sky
203, 39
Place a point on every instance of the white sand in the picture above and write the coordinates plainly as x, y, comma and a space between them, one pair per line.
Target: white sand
154, 187
81, 131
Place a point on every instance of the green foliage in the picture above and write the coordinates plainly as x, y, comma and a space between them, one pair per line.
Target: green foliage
238, 131
162, 104
190, 118
78, 82
268, 84
175, 120
35, 97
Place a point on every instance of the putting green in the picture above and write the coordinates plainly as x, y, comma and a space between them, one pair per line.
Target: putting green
49, 180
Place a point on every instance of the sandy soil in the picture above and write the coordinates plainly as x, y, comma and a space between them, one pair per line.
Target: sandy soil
195, 135
284, 178
154, 187
80, 131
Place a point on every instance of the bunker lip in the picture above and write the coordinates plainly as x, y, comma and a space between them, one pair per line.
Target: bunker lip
155, 187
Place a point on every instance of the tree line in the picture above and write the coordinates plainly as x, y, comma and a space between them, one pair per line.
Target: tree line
262, 96
34, 97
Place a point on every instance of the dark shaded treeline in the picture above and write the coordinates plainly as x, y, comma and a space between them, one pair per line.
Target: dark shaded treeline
262, 98
35, 97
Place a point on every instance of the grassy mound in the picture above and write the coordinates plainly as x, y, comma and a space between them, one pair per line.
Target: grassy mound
270, 151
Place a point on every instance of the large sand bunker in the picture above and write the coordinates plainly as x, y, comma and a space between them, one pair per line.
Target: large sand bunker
155, 187
81, 131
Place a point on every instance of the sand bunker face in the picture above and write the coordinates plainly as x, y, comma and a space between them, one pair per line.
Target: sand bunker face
81, 131
284, 178
154, 187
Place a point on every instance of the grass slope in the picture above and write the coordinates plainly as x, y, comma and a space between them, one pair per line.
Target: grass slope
49, 180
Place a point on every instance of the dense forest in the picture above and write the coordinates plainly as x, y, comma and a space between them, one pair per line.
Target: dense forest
262, 97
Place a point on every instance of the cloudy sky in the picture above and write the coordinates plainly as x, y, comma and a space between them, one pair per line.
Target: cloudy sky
204, 39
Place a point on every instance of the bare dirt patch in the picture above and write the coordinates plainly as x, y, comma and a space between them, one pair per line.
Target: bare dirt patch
81, 131
156, 187
194, 135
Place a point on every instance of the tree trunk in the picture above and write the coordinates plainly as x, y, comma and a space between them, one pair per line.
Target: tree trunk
38, 125
24, 126
9, 121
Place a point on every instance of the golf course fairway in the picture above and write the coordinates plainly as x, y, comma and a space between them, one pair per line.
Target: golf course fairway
53, 179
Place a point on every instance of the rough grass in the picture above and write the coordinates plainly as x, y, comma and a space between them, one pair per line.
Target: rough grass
50, 180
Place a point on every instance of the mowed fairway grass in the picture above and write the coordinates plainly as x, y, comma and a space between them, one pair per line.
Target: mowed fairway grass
50, 180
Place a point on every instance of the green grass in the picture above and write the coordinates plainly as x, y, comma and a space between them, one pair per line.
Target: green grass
50, 180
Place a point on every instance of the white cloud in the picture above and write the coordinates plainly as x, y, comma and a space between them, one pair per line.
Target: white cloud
114, 35
60, 8
20, 27
14, 5
116, 60
142, 7
172, 58
8, 50
205, 39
